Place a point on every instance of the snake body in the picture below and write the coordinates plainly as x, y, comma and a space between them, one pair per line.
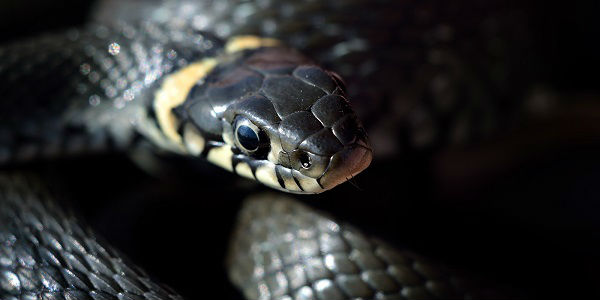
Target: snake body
196, 80
280, 249
79, 96
116, 86
46, 254
177, 88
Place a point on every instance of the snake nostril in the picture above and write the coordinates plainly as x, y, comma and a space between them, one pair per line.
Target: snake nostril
305, 161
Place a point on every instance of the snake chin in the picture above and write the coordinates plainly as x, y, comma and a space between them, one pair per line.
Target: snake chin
343, 165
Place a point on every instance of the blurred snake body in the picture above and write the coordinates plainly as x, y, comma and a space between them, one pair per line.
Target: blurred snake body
246, 103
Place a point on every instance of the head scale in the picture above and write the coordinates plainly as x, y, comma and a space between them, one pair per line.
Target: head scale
270, 114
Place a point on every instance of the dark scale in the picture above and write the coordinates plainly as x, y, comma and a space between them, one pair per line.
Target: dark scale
88, 85
420, 75
46, 254
430, 77
282, 99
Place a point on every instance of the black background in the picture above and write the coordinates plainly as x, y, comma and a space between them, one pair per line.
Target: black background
531, 223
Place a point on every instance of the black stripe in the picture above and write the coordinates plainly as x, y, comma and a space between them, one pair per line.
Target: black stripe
235, 160
297, 182
151, 115
180, 128
253, 166
319, 182
209, 146
279, 177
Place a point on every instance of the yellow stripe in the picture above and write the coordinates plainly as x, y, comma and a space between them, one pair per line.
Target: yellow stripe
244, 169
310, 185
245, 42
221, 156
266, 175
174, 91
175, 87
194, 142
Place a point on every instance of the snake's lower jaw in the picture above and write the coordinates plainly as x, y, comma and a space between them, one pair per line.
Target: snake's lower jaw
346, 164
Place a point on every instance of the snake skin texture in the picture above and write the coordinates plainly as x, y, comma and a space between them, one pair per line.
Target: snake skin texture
47, 254
422, 74
282, 249
89, 89
300, 108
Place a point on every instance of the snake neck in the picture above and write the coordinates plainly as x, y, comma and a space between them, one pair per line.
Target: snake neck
89, 89
166, 124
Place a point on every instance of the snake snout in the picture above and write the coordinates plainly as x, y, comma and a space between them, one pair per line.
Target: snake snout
346, 164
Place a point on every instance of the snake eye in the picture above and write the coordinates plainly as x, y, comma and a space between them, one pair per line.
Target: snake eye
248, 136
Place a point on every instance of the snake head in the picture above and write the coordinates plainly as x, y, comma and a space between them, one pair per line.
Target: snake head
272, 115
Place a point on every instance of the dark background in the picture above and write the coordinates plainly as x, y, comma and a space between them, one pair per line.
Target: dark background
521, 209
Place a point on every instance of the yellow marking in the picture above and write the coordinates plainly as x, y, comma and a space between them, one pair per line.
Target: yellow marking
173, 92
243, 169
309, 184
194, 142
276, 148
291, 185
289, 182
221, 156
227, 137
244, 42
266, 175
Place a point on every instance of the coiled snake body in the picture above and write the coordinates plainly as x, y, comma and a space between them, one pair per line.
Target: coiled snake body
195, 79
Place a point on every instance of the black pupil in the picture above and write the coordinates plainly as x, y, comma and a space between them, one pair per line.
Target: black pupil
247, 138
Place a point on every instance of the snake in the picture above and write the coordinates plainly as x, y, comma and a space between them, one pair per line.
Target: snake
255, 88
248, 105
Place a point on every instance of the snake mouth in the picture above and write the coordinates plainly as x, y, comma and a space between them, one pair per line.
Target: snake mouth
343, 165
346, 164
